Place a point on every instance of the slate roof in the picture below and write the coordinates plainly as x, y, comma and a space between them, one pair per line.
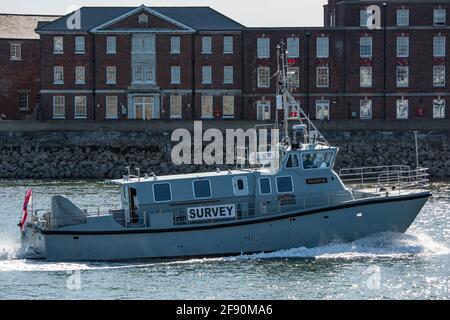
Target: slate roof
16, 26
198, 18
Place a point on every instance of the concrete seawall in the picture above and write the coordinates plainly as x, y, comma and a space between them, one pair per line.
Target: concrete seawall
99, 154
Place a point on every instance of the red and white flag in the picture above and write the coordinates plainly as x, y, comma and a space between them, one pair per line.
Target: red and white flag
26, 201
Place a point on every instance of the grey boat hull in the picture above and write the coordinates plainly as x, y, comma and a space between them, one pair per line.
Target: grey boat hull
311, 228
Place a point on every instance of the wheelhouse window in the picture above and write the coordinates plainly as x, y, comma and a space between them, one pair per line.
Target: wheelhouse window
162, 192
317, 160
284, 185
264, 186
292, 161
202, 189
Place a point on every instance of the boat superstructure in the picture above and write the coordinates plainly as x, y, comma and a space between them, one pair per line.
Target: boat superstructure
288, 196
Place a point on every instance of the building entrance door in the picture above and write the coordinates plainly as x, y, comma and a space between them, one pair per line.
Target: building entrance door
144, 107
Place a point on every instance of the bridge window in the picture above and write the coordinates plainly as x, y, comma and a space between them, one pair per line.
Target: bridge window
292, 161
162, 192
284, 185
264, 186
202, 189
317, 160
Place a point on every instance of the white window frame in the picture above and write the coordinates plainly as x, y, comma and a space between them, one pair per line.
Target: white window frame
111, 45
111, 71
15, 50
366, 103
176, 102
80, 75
364, 17
323, 47
58, 48
263, 73
322, 103
228, 75
294, 79
144, 72
209, 99
228, 47
175, 75
263, 48
262, 114
206, 45
397, 109
175, 45
62, 105
80, 45
402, 41
27, 95
293, 47
58, 75
402, 17
362, 82
143, 44
441, 115
231, 103
439, 46
206, 75
398, 80
437, 84
319, 70
439, 19
366, 43
111, 102
77, 100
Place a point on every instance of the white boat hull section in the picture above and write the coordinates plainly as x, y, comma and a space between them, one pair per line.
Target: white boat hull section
304, 230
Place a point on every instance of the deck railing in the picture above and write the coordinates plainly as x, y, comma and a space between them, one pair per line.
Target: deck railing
386, 177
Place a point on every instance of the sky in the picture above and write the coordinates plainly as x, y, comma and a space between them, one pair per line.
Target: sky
281, 13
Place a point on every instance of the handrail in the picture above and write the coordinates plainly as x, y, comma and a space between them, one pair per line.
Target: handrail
398, 176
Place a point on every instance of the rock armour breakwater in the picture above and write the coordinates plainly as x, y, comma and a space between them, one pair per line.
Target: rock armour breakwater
105, 154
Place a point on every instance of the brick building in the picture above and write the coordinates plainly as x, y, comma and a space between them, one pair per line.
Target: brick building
19, 64
371, 60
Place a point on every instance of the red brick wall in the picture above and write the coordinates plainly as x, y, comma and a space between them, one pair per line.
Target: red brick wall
19, 76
